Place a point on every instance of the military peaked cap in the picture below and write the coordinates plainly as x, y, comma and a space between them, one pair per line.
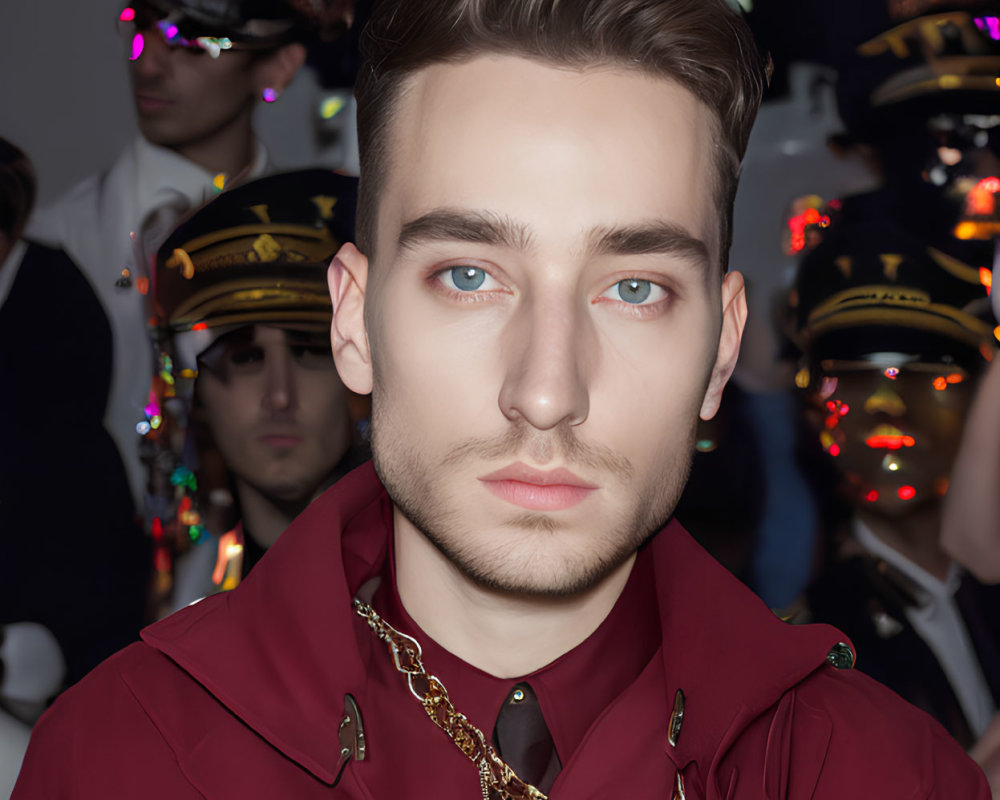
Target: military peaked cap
257, 253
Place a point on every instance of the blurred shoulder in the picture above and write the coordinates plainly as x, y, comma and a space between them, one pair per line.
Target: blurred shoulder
879, 745
99, 740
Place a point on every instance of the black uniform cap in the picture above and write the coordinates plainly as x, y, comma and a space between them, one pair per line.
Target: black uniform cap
872, 287
262, 22
899, 60
258, 253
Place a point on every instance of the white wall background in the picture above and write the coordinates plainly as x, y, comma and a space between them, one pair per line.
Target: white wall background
64, 94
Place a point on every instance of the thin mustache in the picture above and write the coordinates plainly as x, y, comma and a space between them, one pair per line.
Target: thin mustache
151, 88
543, 447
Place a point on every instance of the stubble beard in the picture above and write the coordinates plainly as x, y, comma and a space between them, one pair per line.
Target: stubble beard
541, 557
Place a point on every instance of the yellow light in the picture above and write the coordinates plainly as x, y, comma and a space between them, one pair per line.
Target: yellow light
802, 378
219, 181
331, 106
996, 333
949, 81
965, 230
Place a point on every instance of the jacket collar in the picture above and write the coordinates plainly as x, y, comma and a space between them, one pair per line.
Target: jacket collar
280, 651
729, 654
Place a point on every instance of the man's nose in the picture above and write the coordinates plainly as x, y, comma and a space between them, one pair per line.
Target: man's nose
279, 380
152, 53
547, 364
885, 401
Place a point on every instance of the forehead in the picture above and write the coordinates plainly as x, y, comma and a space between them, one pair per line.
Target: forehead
561, 150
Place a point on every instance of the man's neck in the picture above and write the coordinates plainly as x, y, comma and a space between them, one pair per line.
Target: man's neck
502, 634
230, 151
263, 517
916, 535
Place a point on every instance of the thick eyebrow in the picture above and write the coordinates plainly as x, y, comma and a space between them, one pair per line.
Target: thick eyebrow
654, 238
448, 225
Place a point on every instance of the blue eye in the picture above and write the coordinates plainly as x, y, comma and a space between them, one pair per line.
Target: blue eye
633, 290
467, 279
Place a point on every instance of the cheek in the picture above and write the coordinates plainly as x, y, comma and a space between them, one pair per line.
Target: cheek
229, 410
214, 89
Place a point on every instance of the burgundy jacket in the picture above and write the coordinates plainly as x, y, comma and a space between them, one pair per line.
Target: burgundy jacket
242, 696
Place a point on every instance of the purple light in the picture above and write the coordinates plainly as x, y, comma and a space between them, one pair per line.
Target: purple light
990, 26
171, 32
270, 95
137, 45
127, 15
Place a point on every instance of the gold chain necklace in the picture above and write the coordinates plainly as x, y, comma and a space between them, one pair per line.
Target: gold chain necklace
494, 773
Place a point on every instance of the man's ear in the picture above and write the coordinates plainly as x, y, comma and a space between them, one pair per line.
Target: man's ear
734, 317
276, 70
347, 277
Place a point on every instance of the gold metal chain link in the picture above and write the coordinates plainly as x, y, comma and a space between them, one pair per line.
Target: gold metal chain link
494, 773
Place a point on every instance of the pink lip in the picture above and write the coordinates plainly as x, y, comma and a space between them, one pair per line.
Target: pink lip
147, 102
538, 490
281, 440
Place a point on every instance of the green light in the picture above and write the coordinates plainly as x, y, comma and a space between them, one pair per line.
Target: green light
331, 106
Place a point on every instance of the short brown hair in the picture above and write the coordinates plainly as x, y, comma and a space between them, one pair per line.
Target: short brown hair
17, 189
702, 45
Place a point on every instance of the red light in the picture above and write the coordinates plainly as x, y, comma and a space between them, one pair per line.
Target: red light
844, 408
127, 15
834, 450
980, 201
797, 225
955, 378
906, 492
941, 383
890, 442
872, 496
891, 373
199, 326
986, 278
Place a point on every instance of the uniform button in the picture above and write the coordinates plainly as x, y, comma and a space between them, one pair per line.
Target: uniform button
841, 656
676, 719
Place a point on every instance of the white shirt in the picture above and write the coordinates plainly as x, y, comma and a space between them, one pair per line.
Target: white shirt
93, 223
937, 620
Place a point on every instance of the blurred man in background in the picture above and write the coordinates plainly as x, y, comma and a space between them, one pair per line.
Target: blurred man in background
241, 302
894, 336
198, 70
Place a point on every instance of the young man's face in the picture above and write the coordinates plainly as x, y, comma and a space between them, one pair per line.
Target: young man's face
185, 96
892, 426
544, 315
277, 410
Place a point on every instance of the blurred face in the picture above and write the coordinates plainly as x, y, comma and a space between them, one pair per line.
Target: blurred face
182, 95
544, 317
276, 409
892, 426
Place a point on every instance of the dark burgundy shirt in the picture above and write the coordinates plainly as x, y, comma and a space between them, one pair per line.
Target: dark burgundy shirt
572, 690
